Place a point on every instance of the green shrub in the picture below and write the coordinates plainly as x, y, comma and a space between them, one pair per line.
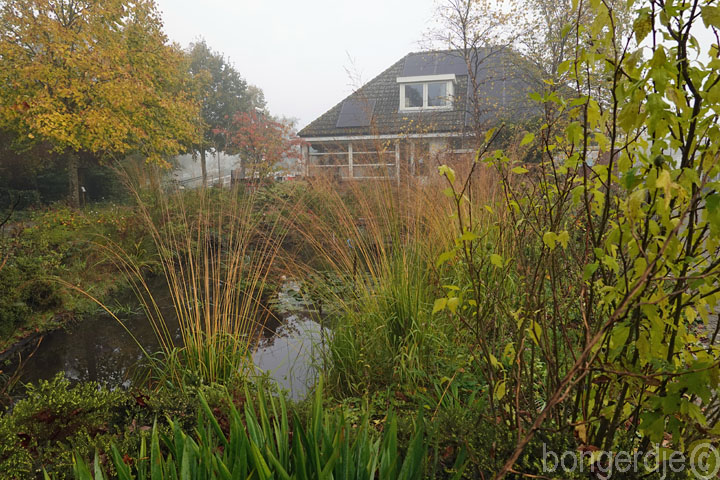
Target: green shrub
41, 427
12, 310
41, 295
56, 417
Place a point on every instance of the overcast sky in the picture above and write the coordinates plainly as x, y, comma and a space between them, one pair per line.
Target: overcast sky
298, 51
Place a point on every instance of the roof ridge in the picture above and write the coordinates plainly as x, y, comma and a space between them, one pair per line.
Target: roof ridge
443, 50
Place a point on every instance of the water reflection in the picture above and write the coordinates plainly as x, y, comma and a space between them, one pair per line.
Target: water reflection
291, 356
100, 349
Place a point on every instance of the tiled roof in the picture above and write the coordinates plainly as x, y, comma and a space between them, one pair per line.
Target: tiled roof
497, 91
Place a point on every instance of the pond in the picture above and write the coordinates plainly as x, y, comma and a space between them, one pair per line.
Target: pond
100, 349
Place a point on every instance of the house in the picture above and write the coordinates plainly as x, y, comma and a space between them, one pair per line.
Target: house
415, 113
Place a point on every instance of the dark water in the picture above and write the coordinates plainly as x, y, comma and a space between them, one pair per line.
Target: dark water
101, 349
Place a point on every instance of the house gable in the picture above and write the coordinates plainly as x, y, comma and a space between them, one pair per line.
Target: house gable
501, 95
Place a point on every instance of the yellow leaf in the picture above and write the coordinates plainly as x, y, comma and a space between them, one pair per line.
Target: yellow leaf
509, 352
549, 239
452, 304
499, 390
529, 137
581, 431
563, 237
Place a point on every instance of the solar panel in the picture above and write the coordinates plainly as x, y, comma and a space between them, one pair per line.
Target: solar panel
356, 113
434, 63
420, 64
502, 94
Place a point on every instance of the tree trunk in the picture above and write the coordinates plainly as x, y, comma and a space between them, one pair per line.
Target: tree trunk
73, 180
203, 165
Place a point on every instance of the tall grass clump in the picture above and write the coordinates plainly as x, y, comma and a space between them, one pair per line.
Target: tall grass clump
380, 241
216, 250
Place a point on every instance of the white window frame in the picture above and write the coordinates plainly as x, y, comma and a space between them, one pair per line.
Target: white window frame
424, 81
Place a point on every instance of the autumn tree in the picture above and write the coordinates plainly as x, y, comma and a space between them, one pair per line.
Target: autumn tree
222, 93
93, 78
261, 142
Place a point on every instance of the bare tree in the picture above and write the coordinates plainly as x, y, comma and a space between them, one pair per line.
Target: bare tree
482, 32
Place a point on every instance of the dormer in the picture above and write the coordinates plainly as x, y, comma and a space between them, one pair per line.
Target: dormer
427, 92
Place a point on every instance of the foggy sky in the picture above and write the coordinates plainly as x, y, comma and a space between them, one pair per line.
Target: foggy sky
308, 55
298, 51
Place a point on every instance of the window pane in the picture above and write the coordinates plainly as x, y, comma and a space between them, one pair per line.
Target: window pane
437, 94
413, 95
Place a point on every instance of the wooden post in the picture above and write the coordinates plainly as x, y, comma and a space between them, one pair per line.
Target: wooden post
412, 158
350, 160
305, 149
397, 160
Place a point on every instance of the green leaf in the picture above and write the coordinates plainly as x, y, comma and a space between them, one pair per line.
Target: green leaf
213, 421
444, 257
566, 29
496, 260
574, 132
535, 331
519, 170
447, 172
564, 67
711, 16
468, 237
589, 270
653, 425
529, 137
642, 25
712, 202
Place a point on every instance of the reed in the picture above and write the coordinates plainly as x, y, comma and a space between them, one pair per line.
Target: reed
216, 250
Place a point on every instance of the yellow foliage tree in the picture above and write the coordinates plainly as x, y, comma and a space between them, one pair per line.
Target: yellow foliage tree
94, 77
